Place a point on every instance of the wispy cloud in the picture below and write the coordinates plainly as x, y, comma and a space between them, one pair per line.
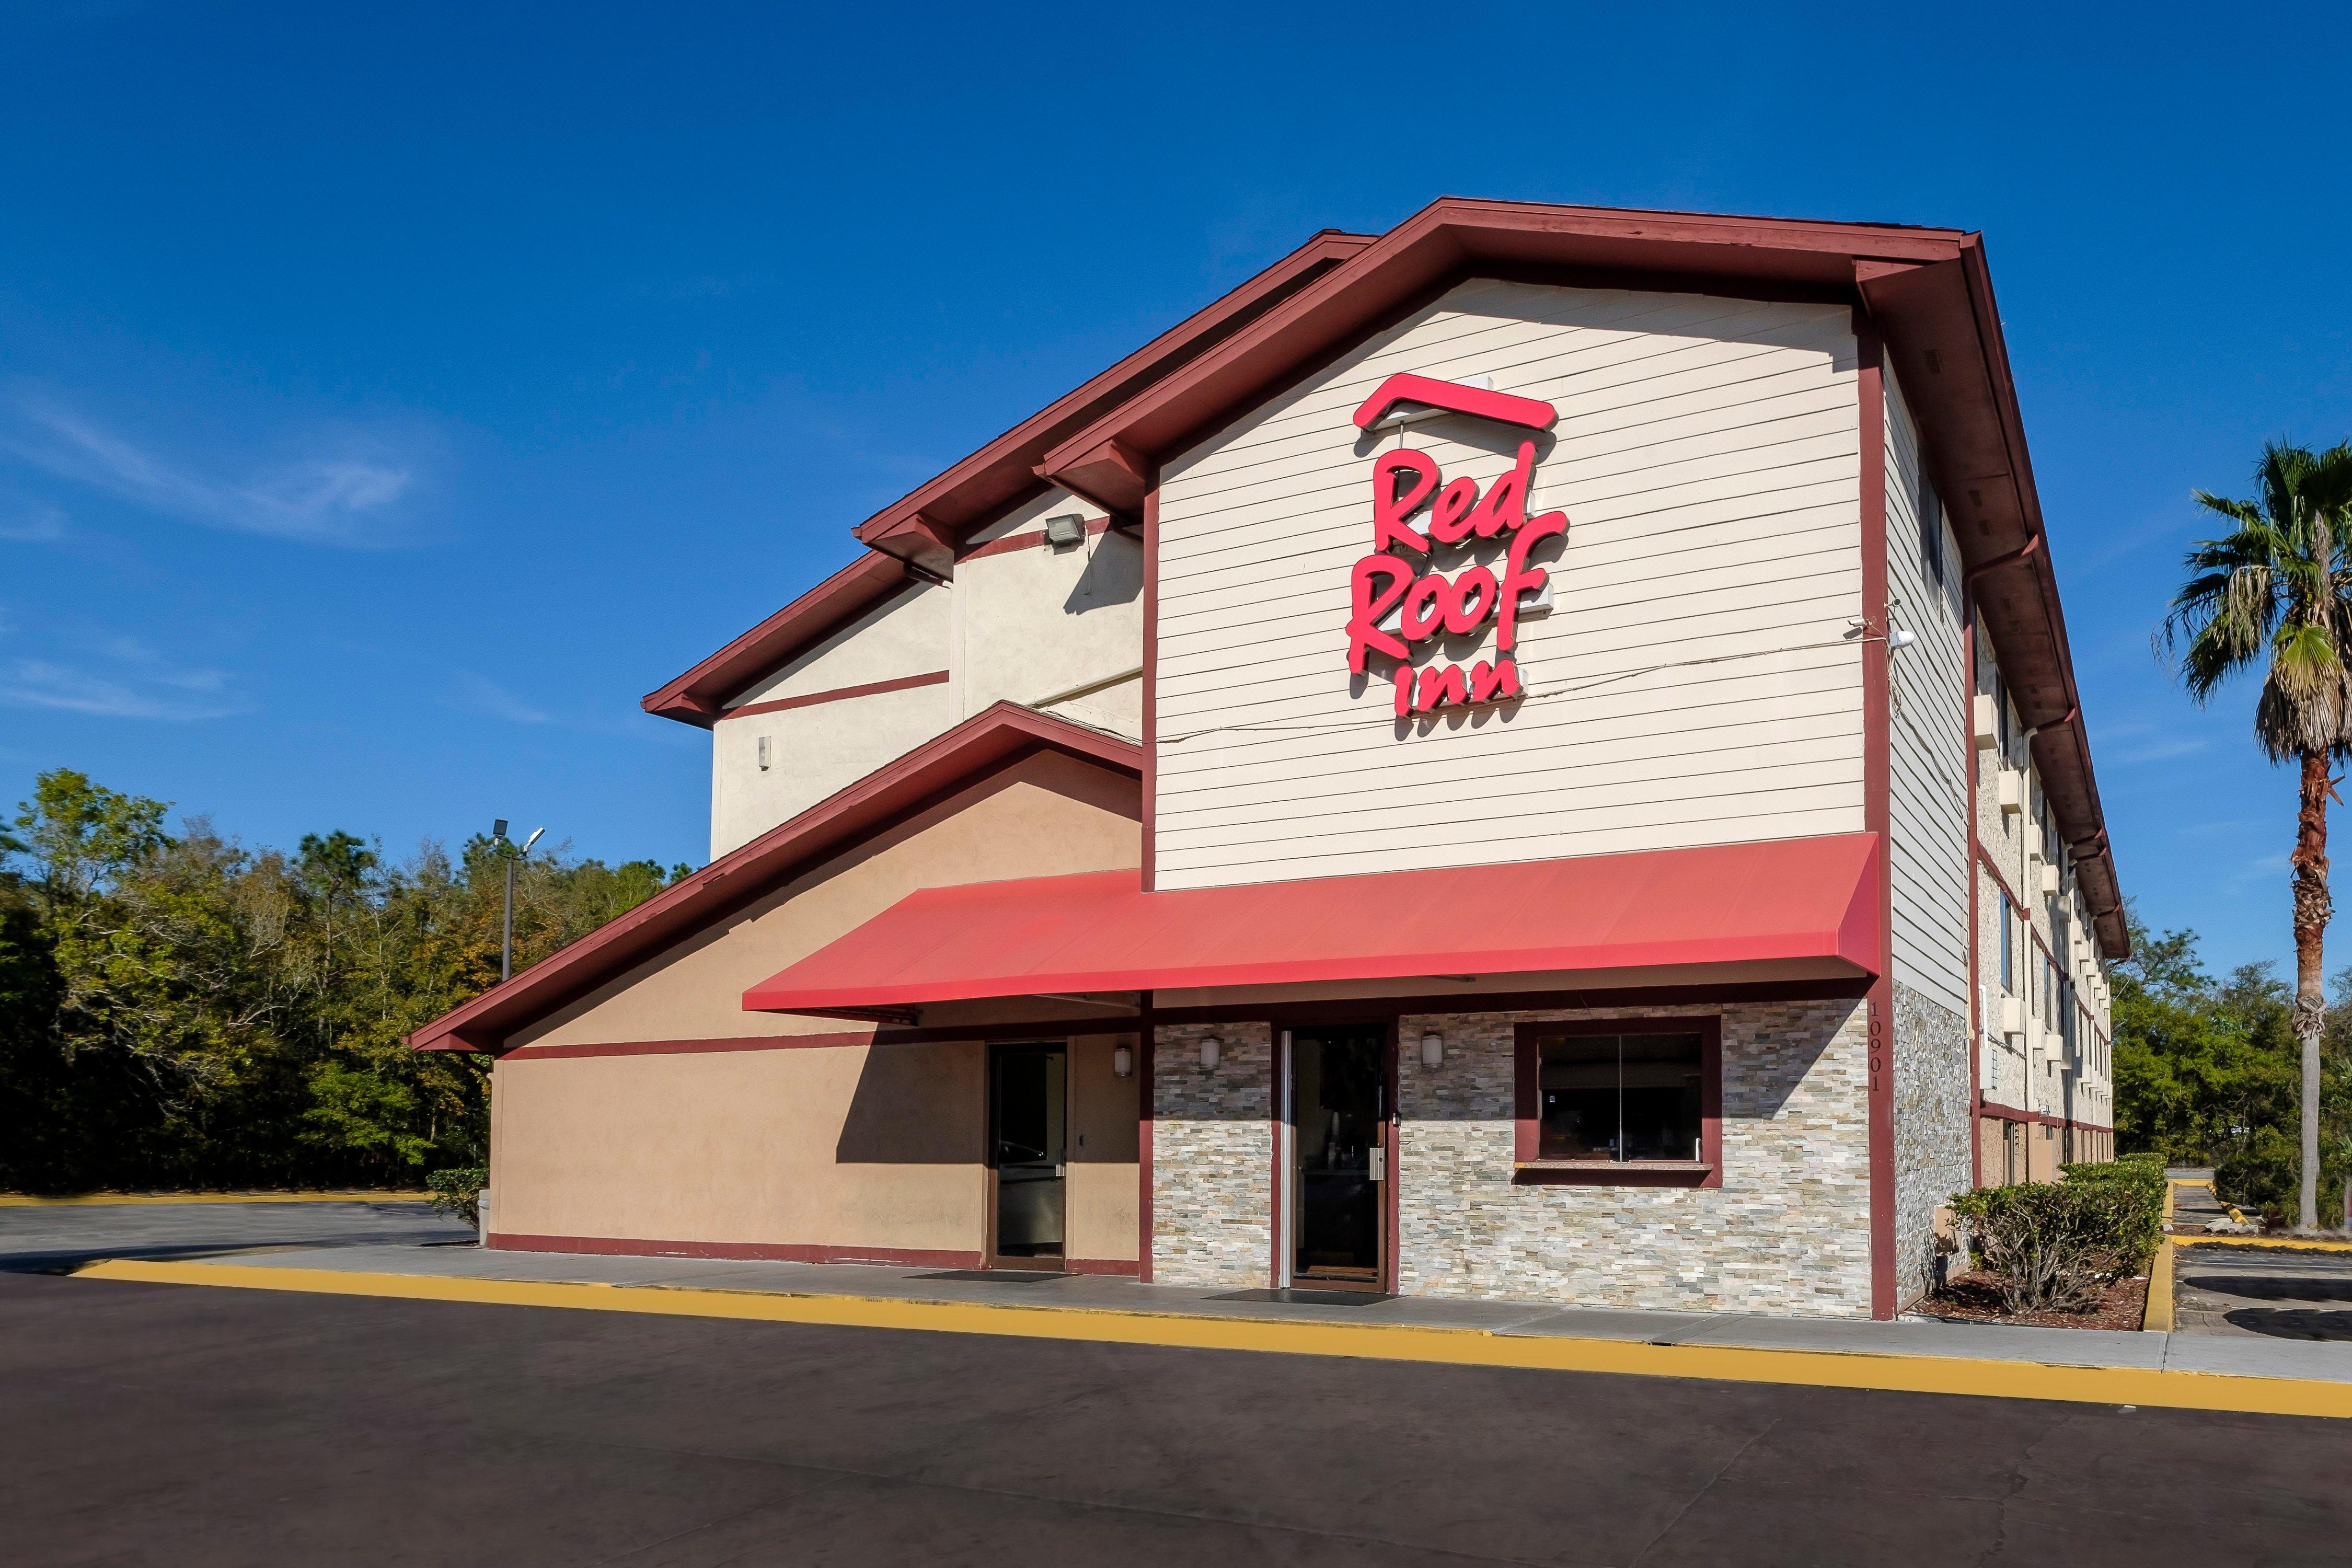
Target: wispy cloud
189, 694
477, 694
34, 522
343, 494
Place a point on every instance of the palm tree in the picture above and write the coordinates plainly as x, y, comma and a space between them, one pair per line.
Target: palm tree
2279, 589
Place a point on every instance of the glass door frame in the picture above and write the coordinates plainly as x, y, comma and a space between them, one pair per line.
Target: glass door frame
1283, 1124
991, 1208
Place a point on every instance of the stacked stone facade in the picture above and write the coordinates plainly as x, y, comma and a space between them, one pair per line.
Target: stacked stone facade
1933, 1112
1212, 1157
1788, 1231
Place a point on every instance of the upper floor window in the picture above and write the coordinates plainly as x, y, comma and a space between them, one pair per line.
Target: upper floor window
1931, 533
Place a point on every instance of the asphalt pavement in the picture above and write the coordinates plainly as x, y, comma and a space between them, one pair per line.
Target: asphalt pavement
38, 1238
159, 1424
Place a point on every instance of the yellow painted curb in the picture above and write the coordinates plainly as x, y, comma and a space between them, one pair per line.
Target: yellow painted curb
1457, 1347
2157, 1318
2304, 1244
19, 1200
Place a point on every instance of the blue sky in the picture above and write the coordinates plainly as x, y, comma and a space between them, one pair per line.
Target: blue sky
390, 396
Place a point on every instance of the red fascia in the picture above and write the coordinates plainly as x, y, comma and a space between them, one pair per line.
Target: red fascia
1789, 900
980, 746
923, 526
1927, 289
1004, 472
699, 696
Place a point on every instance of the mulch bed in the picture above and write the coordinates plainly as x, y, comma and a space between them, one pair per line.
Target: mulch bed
1976, 1298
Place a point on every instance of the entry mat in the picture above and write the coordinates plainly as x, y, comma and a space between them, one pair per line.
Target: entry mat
998, 1275
1309, 1298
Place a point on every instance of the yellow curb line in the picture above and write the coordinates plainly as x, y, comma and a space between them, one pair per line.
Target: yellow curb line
2196, 1238
2157, 1318
19, 1200
1457, 1347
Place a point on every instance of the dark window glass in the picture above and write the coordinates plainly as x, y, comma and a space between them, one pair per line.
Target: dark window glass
1620, 1097
1931, 533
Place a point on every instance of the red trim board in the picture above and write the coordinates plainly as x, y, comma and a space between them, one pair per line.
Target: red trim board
839, 694
776, 1252
691, 1047
976, 750
1878, 791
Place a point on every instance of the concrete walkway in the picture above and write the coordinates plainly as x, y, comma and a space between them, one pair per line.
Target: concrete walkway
2247, 1357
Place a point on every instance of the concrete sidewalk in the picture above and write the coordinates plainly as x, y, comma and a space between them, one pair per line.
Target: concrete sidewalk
1909, 1337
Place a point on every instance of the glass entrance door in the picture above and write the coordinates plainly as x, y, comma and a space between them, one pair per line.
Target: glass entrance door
1028, 1122
1339, 1160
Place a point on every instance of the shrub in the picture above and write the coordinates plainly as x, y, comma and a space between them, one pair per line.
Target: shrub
2138, 1180
2057, 1246
458, 1191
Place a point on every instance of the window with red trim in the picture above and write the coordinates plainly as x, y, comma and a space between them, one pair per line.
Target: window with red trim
1632, 1100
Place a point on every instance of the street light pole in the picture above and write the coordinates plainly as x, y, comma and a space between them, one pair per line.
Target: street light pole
505, 936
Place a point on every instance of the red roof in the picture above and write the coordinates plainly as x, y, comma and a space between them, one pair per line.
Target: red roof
987, 741
1797, 899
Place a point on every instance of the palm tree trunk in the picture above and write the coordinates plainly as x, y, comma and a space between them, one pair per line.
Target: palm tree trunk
2311, 908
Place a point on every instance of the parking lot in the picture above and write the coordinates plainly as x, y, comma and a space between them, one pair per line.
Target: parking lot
161, 1424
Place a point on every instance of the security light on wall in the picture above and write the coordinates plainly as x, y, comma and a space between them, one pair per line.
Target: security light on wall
1122, 1061
1210, 1047
1063, 532
1433, 1051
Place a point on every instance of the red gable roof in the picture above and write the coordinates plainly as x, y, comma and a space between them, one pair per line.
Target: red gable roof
1926, 292
982, 744
924, 525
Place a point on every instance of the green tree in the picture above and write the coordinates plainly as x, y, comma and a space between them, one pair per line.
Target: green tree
182, 1010
2276, 592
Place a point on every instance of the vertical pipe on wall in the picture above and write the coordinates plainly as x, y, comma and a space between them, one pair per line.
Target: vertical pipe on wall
1146, 1055
1969, 857
1877, 811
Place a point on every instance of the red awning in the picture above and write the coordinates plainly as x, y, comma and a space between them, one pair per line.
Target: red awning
1798, 900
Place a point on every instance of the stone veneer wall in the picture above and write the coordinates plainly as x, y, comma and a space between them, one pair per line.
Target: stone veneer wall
1212, 1157
1932, 1113
1789, 1231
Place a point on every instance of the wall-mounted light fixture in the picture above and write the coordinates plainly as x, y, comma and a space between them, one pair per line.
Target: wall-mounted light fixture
1210, 1047
1433, 1049
1898, 637
763, 754
1122, 1061
1063, 532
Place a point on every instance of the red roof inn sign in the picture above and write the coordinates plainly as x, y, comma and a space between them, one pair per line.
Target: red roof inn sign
1394, 604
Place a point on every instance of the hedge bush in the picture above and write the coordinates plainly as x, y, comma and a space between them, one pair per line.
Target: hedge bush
458, 1191
2056, 1246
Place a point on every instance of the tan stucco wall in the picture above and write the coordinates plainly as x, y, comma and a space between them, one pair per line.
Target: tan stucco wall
1101, 1195
844, 1146
841, 1146
1046, 817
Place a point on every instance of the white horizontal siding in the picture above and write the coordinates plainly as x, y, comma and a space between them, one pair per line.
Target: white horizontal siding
1927, 825
1691, 684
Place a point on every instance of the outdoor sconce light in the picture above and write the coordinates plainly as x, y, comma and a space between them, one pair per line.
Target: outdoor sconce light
1062, 532
1210, 1047
1122, 1061
1433, 1049
1898, 637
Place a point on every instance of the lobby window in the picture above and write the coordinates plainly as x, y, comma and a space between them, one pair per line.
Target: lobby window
1621, 1099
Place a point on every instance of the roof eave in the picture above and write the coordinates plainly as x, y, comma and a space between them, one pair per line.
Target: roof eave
978, 746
